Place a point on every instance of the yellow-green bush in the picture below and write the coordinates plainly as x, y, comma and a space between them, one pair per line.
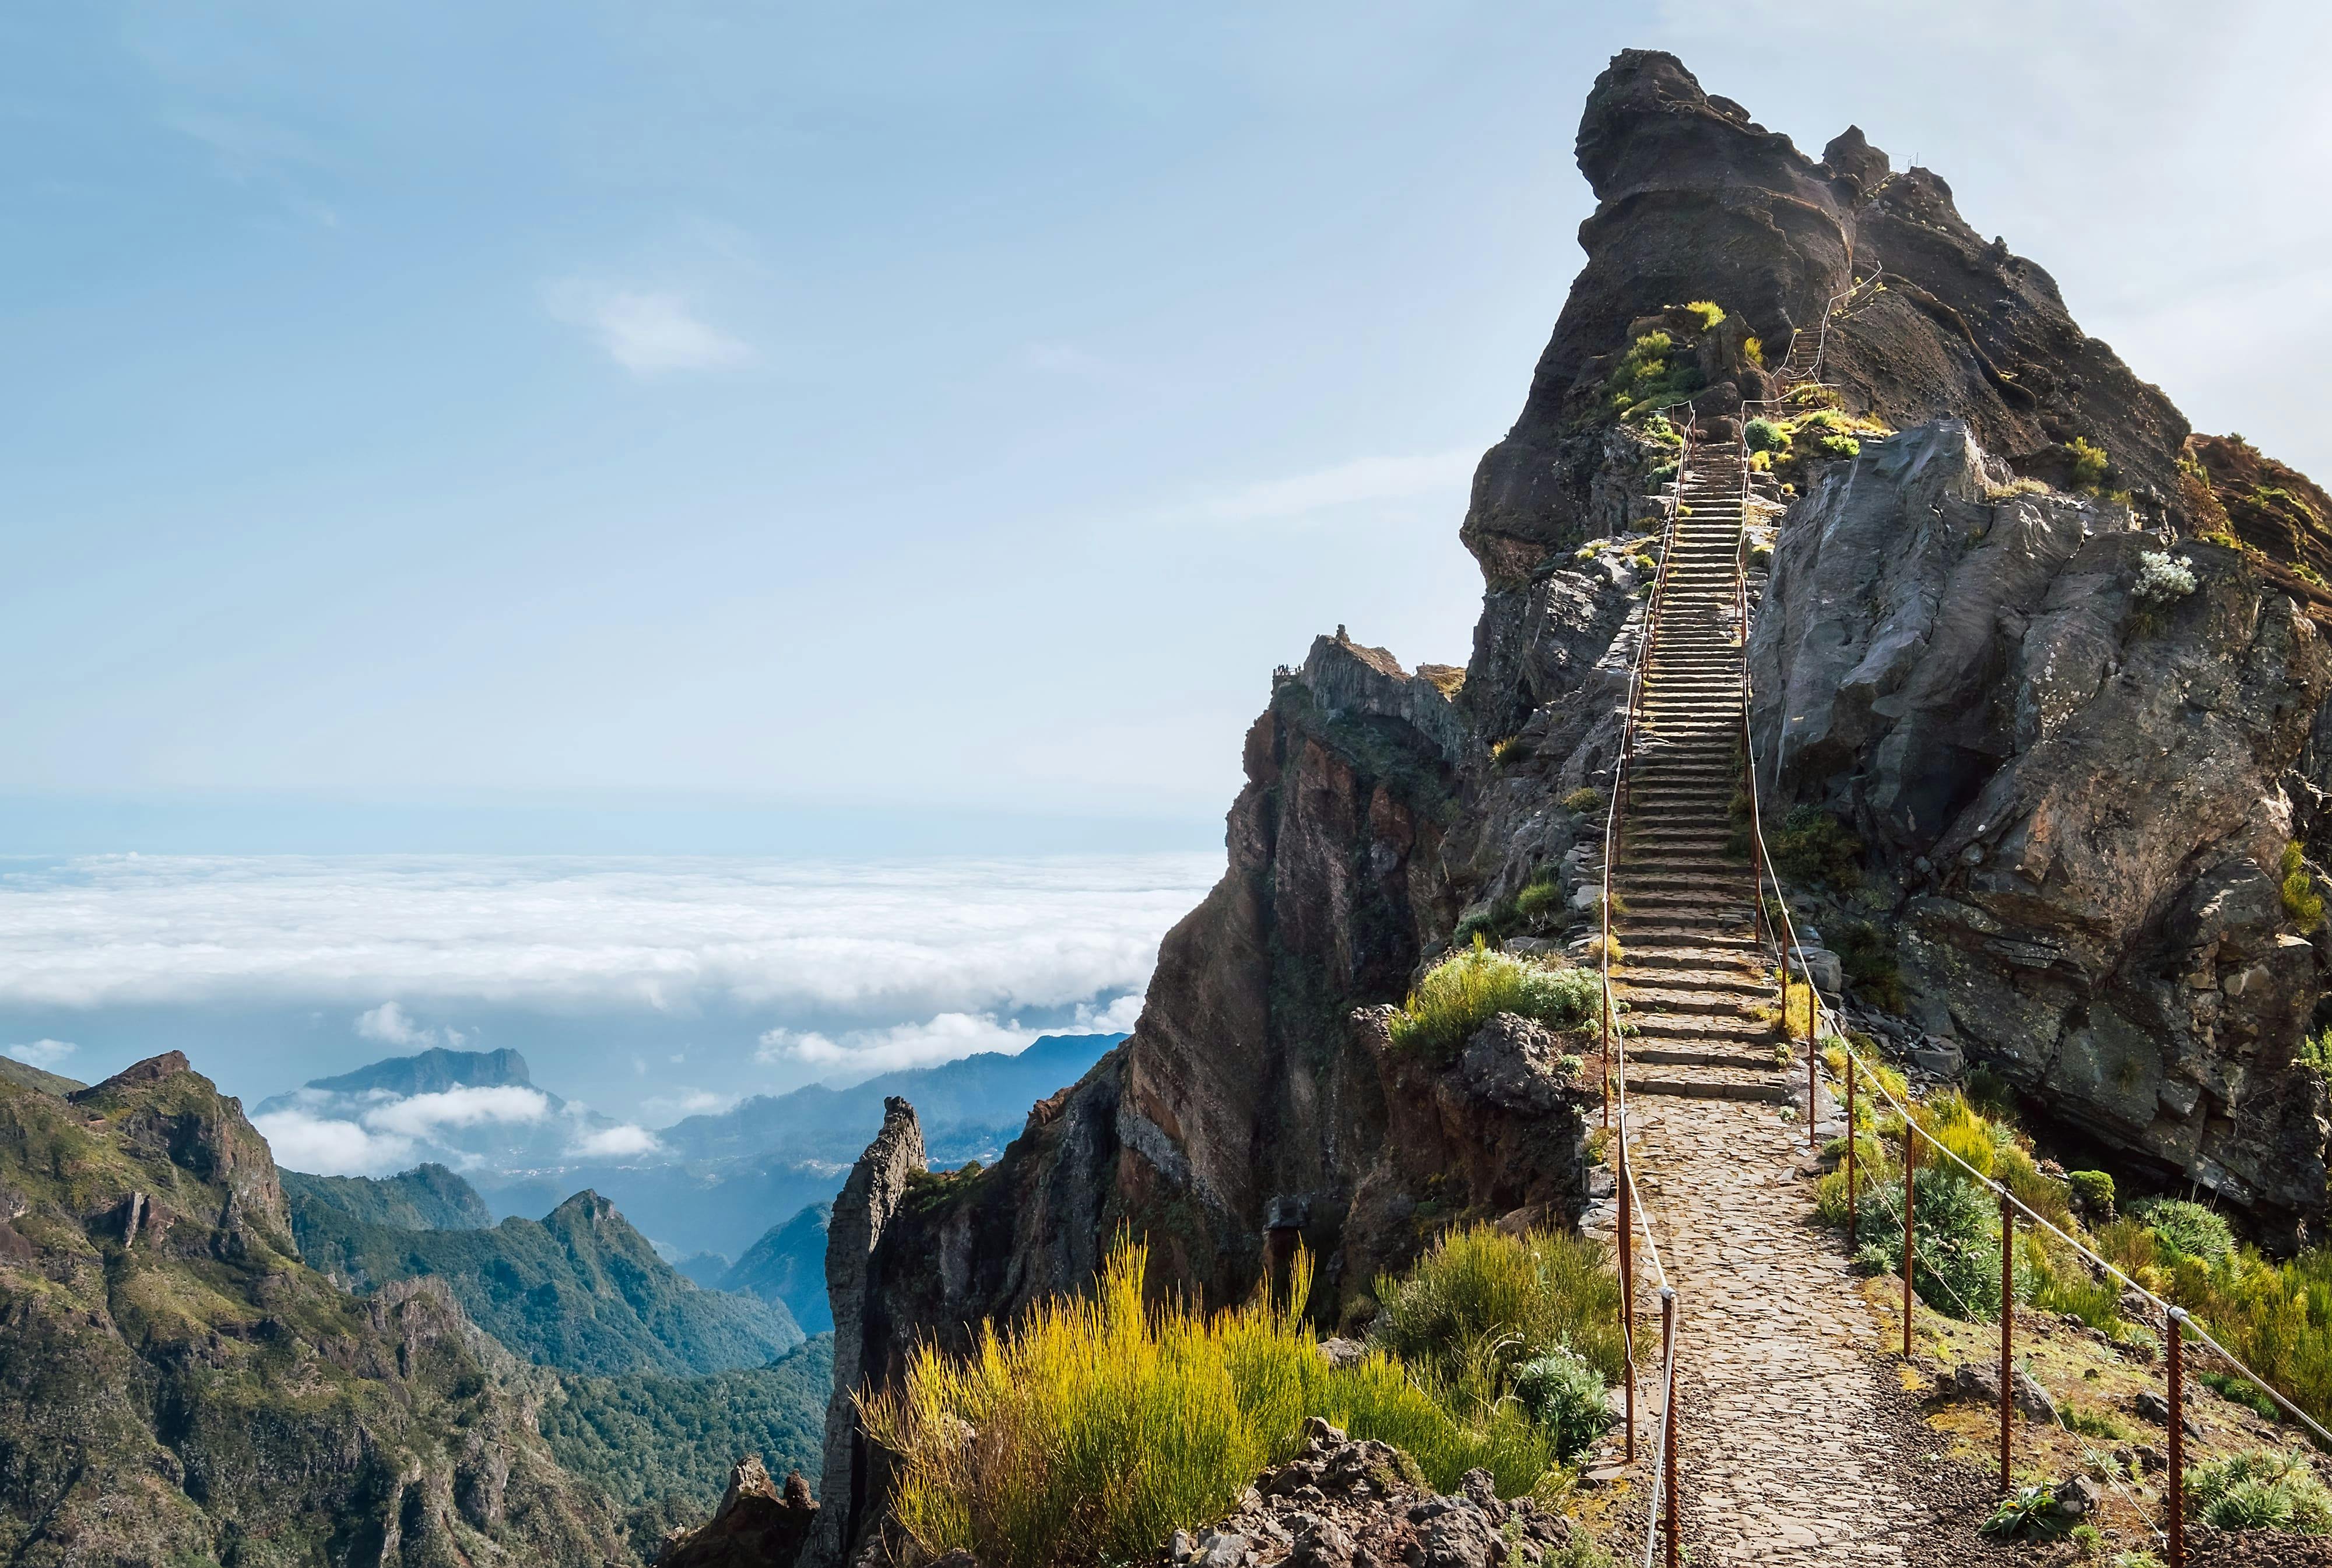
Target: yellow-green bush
1707, 312
1095, 1428
2300, 898
1466, 989
1483, 1301
2089, 463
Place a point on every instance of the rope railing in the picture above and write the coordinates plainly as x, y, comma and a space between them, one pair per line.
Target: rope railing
1825, 1027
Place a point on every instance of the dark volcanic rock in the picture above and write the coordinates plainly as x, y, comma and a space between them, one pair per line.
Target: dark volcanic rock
1341, 1504
755, 1526
2072, 796
1697, 202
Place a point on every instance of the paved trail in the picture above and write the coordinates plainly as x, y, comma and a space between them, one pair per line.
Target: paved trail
1792, 1446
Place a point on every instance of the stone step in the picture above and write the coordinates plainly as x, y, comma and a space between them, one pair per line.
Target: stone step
1690, 966
1659, 1055
1708, 1084
1679, 1005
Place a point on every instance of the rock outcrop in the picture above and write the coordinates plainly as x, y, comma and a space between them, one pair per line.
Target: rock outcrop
178, 1387
755, 1526
1341, 1504
2071, 795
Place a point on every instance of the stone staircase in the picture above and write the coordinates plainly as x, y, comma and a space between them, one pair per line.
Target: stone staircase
1690, 970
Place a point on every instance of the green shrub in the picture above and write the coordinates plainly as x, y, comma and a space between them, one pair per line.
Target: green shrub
1565, 1395
2299, 897
2187, 1228
2094, 1191
2259, 1491
1482, 1302
2089, 463
2221, 537
1584, 801
1466, 989
1646, 376
1815, 849
1868, 957
2028, 1510
1764, 435
1509, 752
1540, 899
1840, 446
1956, 1245
2316, 1051
1708, 312
1094, 1427
1660, 432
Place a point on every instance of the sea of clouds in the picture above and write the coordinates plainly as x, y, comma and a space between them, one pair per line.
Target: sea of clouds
819, 970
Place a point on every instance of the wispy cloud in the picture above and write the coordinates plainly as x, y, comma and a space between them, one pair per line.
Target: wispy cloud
1363, 479
424, 1115
391, 1024
1061, 359
43, 1053
647, 331
615, 1142
862, 1053
330, 1145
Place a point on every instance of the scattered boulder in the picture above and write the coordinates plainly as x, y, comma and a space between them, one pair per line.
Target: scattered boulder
1347, 1503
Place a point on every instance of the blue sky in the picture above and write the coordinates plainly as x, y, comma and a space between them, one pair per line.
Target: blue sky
602, 426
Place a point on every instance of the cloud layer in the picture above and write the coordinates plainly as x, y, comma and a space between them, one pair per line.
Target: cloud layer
871, 943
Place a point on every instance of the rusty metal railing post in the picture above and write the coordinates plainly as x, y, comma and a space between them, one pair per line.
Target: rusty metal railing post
2172, 1334
2007, 1331
1910, 1163
1853, 1232
1668, 1416
1813, 1144
1627, 1287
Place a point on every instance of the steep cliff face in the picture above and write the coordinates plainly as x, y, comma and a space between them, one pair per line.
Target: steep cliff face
2072, 779
178, 1388
2071, 792
1254, 1108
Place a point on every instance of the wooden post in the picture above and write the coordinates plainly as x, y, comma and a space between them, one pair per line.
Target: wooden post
2007, 1331
1910, 1163
1853, 1233
2172, 1337
1668, 1415
1628, 1288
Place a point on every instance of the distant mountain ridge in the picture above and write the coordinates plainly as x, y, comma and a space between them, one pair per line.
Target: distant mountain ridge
787, 1264
968, 1101
579, 1289
432, 1072
427, 1198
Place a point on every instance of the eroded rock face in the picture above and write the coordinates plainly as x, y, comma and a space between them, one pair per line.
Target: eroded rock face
2075, 798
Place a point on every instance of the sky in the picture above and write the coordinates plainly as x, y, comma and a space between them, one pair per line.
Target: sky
537, 516
719, 426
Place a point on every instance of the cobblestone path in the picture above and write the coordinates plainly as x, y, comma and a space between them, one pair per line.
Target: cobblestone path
1792, 1451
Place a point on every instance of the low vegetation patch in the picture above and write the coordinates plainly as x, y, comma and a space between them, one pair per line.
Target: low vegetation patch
1466, 989
1486, 1317
2261, 1492
2089, 463
2301, 901
1584, 801
1815, 849
1092, 1430
2162, 579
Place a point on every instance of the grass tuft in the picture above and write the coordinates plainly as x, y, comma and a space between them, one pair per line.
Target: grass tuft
1469, 987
